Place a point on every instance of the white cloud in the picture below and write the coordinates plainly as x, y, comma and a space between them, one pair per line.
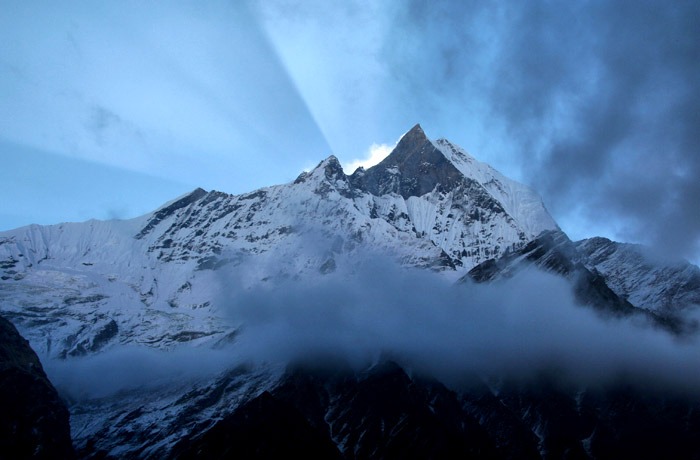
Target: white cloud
375, 154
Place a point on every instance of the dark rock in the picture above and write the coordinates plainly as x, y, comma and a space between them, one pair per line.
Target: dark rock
265, 427
325, 408
327, 267
104, 335
73, 300
333, 169
34, 422
608, 423
635, 424
414, 168
384, 413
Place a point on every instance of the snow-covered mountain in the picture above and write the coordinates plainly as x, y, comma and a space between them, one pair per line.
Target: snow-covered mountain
76, 288
159, 281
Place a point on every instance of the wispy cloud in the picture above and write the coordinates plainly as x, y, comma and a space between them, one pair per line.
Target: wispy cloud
375, 154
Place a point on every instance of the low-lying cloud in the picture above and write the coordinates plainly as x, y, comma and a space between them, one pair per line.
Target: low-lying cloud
133, 367
516, 328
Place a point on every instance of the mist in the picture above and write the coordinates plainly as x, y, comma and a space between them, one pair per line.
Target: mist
520, 328
133, 367
516, 328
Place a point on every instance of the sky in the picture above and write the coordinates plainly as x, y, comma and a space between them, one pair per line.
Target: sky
110, 109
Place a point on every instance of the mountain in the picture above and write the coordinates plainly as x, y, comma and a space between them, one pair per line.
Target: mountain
552, 251
94, 293
153, 280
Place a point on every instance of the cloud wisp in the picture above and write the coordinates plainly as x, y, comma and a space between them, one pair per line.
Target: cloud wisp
375, 154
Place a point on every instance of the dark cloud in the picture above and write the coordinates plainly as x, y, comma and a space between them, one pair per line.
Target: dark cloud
618, 81
598, 102
432, 52
100, 122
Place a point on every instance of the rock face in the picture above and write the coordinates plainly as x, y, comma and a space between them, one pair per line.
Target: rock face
414, 168
553, 252
33, 419
570, 422
265, 427
378, 413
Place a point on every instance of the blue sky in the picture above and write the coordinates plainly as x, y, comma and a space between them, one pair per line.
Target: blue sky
109, 109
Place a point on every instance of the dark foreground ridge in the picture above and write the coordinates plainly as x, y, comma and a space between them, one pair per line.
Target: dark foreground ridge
33, 419
385, 413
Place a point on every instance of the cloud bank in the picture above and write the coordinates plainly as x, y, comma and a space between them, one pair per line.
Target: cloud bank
515, 328
518, 328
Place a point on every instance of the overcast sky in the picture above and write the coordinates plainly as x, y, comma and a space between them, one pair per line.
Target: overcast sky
110, 109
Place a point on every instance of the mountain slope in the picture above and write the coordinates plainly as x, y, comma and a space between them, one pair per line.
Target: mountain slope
666, 287
553, 252
467, 208
607, 291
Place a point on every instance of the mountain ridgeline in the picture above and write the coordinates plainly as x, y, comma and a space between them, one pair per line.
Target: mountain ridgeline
145, 323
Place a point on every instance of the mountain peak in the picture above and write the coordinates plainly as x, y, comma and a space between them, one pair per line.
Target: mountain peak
331, 163
330, 168
415, 167
414, 136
